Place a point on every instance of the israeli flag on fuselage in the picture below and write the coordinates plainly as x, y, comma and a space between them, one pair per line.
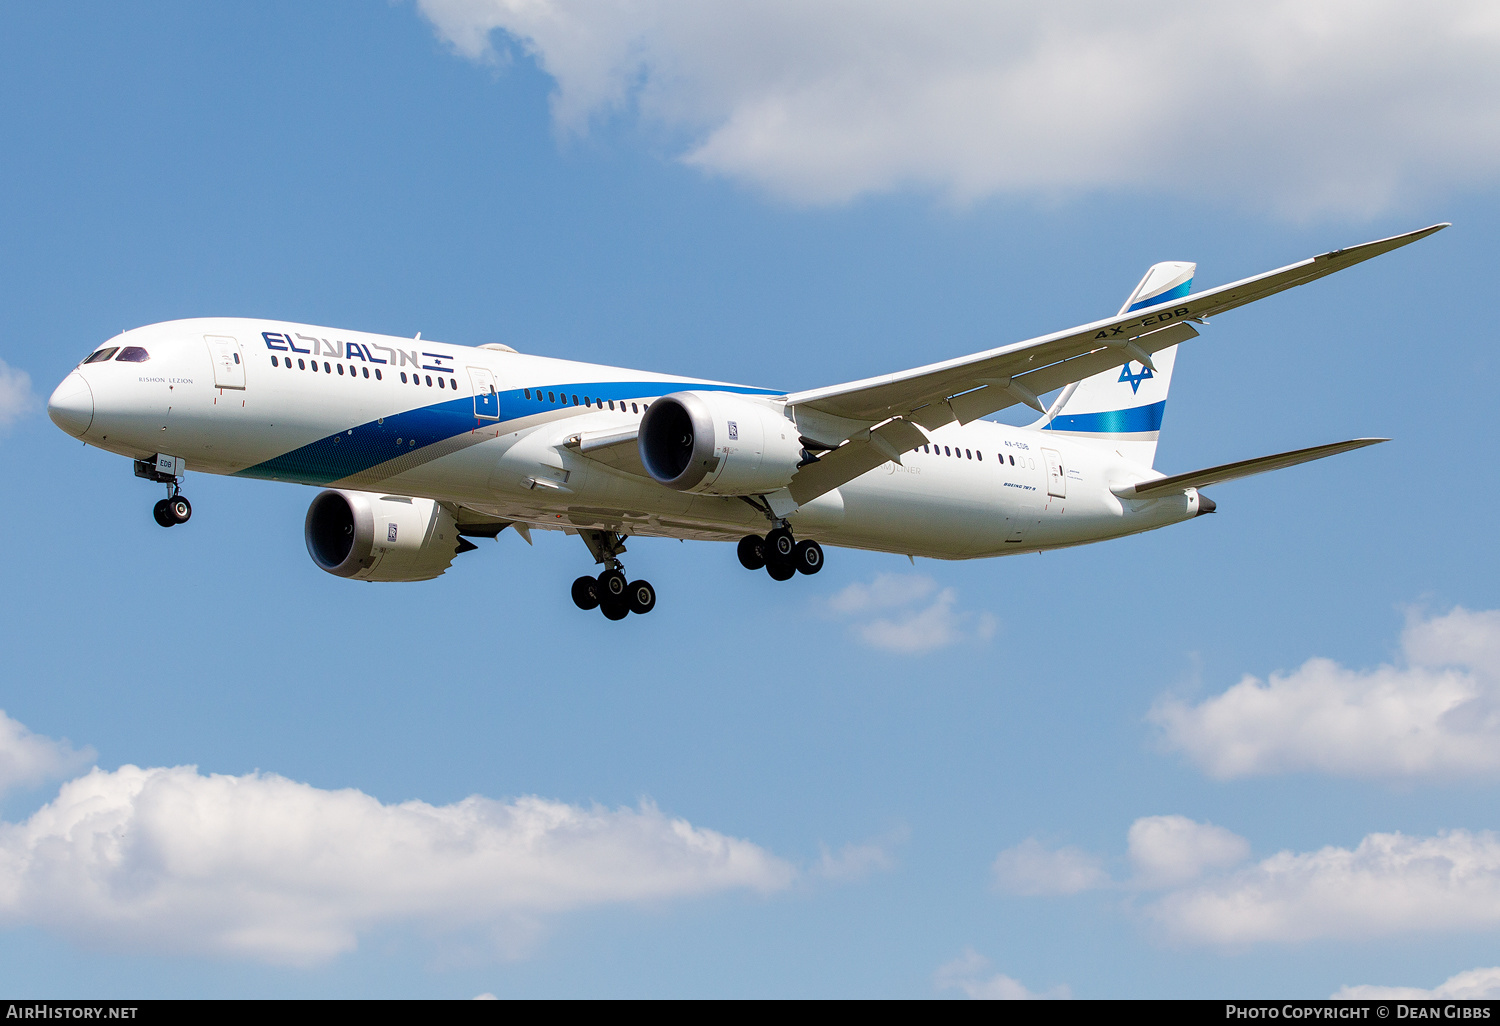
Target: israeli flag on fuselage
1122, 408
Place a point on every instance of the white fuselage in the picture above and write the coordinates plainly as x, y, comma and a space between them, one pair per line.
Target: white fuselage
373, 417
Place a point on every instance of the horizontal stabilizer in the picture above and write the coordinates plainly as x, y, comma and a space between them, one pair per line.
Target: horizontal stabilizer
1232, 471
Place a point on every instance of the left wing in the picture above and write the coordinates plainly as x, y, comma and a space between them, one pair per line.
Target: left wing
970, 387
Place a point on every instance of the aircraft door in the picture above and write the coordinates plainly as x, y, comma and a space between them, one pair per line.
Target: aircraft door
486, 399
1057, 481
229, 365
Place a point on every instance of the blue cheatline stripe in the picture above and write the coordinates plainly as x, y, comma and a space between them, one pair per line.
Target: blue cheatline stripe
1112, 422
1165, 297
362, 446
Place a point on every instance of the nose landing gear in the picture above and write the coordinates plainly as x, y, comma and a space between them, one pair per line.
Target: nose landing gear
167, 470
782, 556
171, 511
611, 592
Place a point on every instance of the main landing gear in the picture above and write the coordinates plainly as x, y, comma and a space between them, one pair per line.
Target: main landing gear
174, 509
611, 593
782, 555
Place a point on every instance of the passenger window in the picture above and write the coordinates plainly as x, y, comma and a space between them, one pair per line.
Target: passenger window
315, 366
611, 404
274, 363
453, 384
365, 371
968, 454
947, 451
429, 381
326, 369
341, 370
551, 398
527, 391
575, 400
634, 408
403, 377
587, 401
979, 455
1013, 461
926, 449
301, 365
102, 355
377, 374
122, 356
440, 382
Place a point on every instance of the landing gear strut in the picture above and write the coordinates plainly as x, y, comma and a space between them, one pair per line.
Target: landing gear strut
611, 592
782, 556
174, 509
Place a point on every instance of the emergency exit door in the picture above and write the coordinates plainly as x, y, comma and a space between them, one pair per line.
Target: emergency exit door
1057, 481
229, 366
486, 399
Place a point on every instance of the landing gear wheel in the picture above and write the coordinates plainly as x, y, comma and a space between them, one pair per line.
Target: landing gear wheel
614, 609
781, 571
779, 546
642, 597
807, 557
586, 593
612, 587
179, 509
162, 514
752, 552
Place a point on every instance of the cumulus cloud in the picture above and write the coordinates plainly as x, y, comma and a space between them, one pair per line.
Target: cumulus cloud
854, 862
1196, 888
1031, 868
1170, 850
264, 867
1307, 107
27, 759
907, 613
1474, 985
1437, 714
970, 974
1388, 884
16, 400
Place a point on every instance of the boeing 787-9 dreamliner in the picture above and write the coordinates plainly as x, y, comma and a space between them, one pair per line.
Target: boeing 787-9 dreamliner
422, 445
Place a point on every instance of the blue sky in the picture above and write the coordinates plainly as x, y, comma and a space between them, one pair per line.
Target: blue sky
983, 816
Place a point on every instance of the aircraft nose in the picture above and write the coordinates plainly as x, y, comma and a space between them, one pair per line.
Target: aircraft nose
72, 405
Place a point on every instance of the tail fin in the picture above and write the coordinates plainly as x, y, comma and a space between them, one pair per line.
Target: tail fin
1122, 408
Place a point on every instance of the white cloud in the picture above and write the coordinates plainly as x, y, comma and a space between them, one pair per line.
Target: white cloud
1474, 985
906, 613
854, 862
968, 974
1171, 850
1309, 107
16, 400
27, 759
1388, 884
264, 867
1436, 716
1032, 869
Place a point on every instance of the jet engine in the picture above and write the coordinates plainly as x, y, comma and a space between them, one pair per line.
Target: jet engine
371, 537
718, 443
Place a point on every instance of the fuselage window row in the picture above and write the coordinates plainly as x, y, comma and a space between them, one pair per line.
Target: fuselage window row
354, 372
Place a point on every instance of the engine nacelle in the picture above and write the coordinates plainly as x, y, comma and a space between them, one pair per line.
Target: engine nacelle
718, 443
371, 537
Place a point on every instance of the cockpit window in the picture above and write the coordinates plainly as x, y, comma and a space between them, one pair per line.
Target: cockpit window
102, 355
133, 354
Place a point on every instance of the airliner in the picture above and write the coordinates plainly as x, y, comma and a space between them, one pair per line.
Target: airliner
422, 446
